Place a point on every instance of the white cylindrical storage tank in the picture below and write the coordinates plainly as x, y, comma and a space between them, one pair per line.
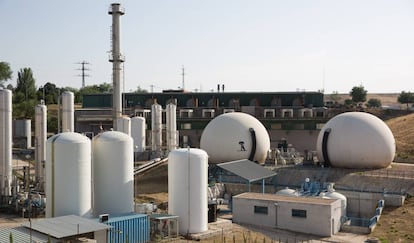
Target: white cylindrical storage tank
138, 133
171, 126
68, 175
23, 130
68, 120
5, 141
124, 125
40, 143
113, 173
156, 127
356, 140
187, 189
235, 136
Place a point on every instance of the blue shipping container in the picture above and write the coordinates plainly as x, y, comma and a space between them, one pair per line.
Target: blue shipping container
132, 228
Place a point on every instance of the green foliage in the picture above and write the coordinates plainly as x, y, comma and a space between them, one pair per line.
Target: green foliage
406, 98
11, 238
358, 94
49, 93
374, 103
5, 73
26, 83
93, 89
348, 102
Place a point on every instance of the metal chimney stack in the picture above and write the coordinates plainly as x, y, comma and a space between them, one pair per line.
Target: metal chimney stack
116, 11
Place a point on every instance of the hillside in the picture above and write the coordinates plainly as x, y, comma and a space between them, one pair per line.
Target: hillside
403, 129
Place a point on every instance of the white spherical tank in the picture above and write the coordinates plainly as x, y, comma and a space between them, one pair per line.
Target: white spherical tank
337, 195
68, 175
138, 133
287, 192
113, 173
5, 141
235, 136
187, 189
356, 140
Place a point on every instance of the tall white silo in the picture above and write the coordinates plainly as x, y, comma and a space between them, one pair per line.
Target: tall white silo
156, 127
113, 173
171, 126
68, 175
138, 133
187, 189
5, 141
40, 143
123, 124
68, 109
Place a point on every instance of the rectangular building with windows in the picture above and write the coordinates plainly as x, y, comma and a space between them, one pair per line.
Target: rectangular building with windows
310, 215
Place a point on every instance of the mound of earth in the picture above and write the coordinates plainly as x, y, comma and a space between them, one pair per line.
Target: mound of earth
403, 129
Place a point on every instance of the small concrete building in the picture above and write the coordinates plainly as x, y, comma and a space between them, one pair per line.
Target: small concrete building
310, 215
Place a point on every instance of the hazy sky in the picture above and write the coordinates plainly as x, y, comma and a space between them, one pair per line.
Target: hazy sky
261, 45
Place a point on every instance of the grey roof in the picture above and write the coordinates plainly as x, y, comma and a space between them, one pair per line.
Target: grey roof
247, 170
66, 226
21, 235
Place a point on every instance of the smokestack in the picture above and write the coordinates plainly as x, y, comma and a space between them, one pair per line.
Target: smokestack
68, 109
116, 11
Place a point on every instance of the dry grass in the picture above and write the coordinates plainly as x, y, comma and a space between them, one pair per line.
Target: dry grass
396, 223
403, 130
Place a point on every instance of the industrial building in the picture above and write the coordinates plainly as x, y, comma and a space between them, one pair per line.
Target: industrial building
310, 215
294, 116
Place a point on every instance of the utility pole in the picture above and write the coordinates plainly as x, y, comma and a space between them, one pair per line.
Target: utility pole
83, 69
183, 73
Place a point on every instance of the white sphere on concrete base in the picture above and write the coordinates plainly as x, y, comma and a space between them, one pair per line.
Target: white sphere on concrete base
356, 140
235, 136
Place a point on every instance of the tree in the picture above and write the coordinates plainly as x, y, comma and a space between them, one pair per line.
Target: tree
5, 73
358, 94
406, 98
49, 92
24, 98
374, 103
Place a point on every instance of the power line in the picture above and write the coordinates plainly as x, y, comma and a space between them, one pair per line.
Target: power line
83, 69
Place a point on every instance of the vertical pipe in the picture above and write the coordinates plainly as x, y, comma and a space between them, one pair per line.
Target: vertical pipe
116, 11
5, 141
68, 109
40, 143
156, 127
171, 127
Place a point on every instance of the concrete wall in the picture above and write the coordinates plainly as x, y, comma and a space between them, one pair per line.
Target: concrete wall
363, 204
321, 219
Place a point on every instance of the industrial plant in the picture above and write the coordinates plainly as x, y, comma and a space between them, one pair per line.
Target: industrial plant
276, 160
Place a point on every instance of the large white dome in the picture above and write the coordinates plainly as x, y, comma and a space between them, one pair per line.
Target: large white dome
356, 140
235, 136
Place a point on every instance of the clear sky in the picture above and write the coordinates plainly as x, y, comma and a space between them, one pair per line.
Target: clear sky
261, 45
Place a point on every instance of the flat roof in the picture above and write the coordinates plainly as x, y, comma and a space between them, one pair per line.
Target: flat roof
65, 226
283, 198
247, 169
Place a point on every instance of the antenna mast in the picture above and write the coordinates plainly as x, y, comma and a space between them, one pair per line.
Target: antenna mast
183, 73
